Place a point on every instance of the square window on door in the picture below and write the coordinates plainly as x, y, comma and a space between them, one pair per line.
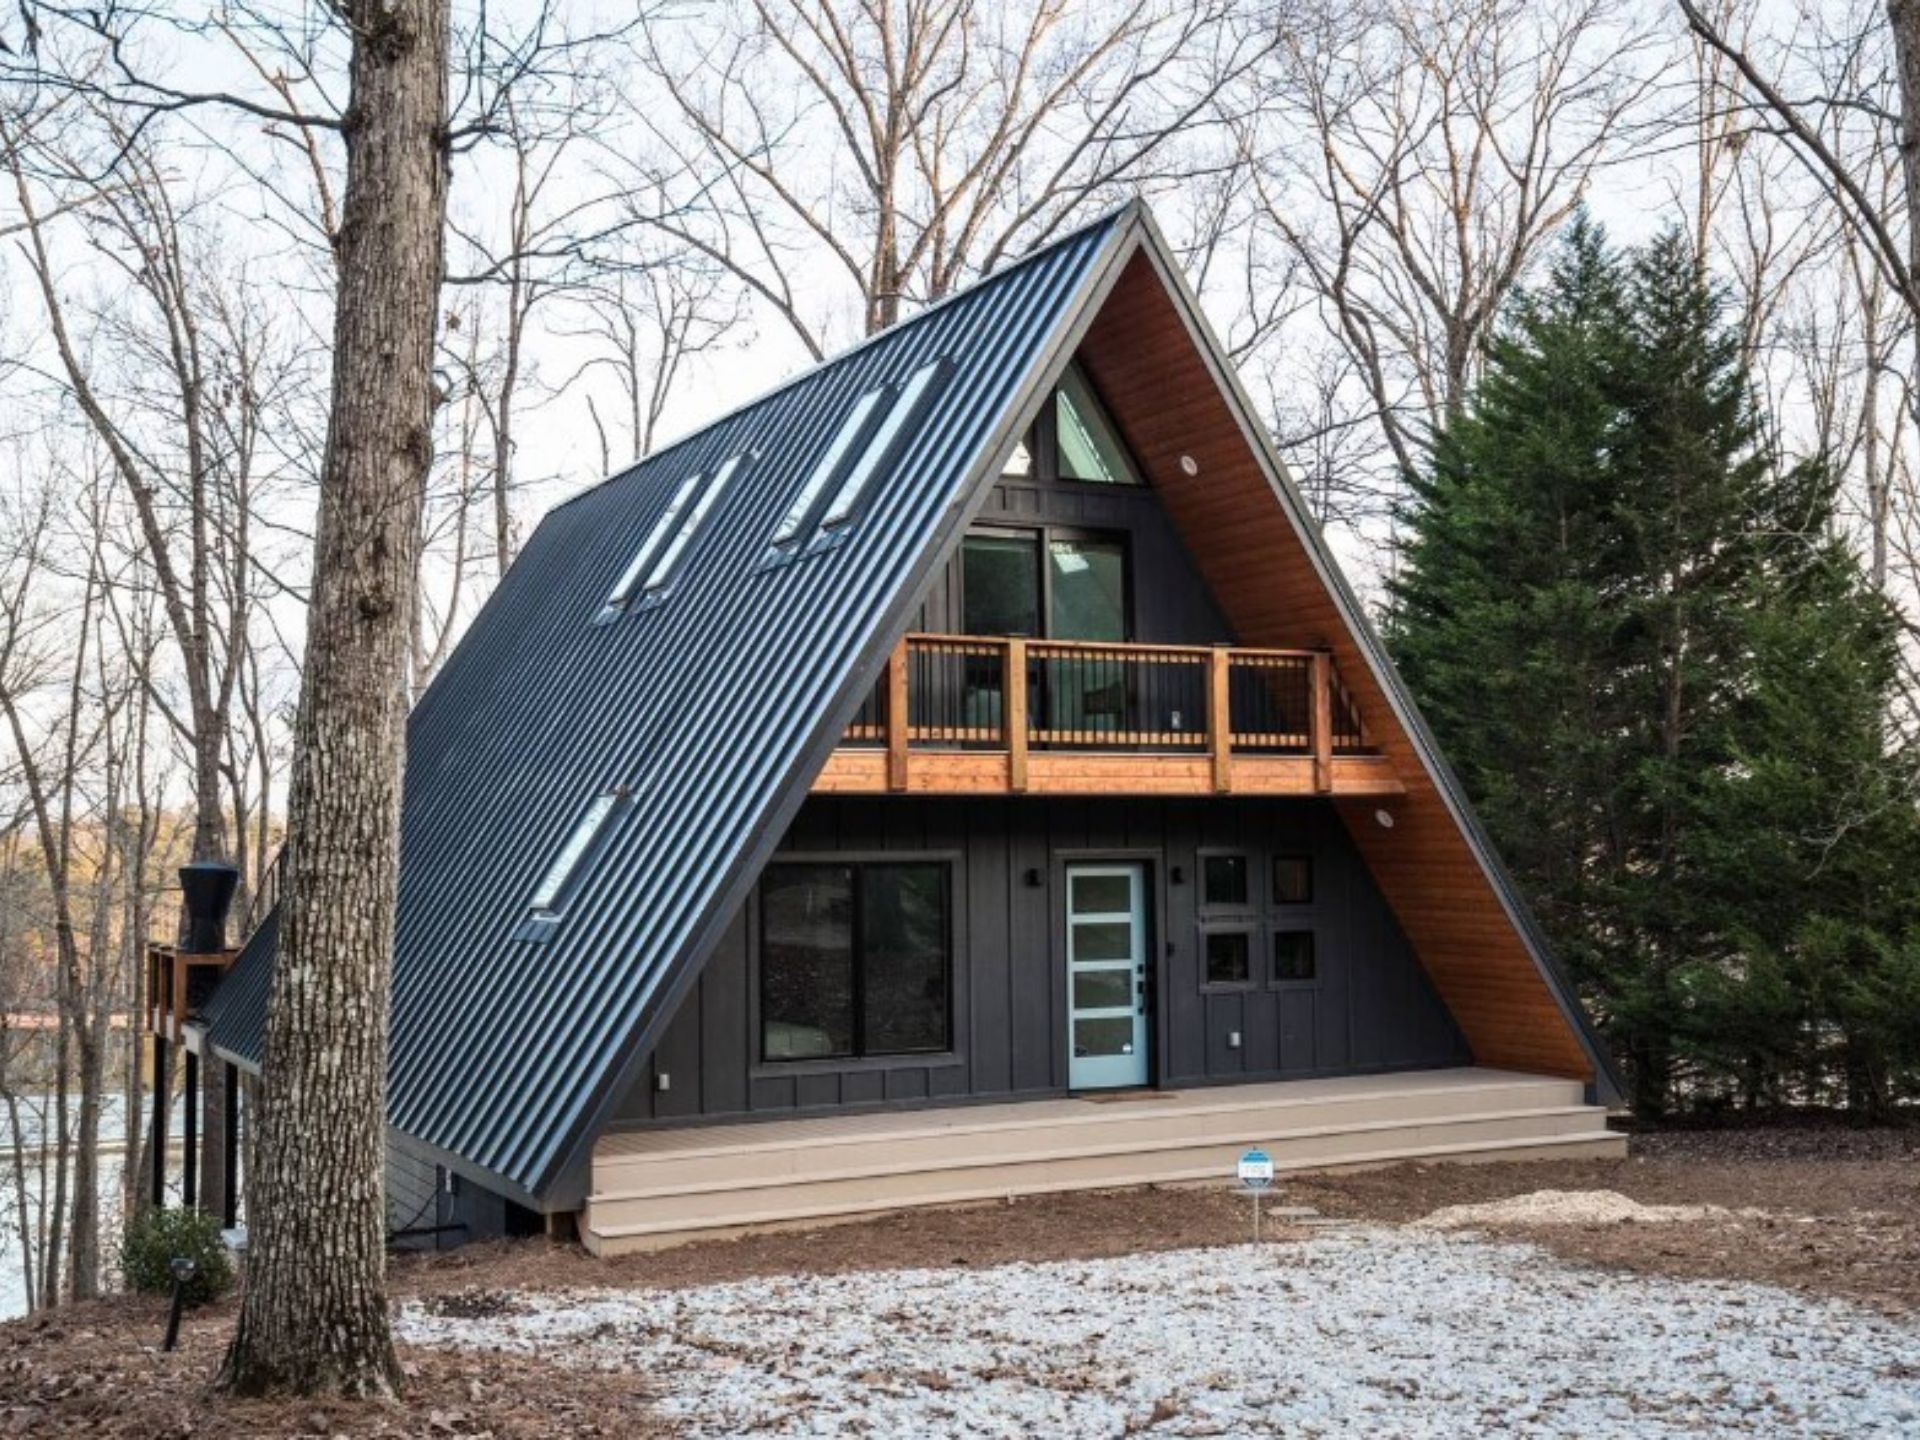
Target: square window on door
1292, 880
1229, 957
1292, 955
1223, 882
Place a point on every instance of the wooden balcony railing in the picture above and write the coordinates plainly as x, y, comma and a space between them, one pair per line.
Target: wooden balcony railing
1020, 697
178, 983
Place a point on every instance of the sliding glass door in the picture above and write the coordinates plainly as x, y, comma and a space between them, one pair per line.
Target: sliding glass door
1054, 585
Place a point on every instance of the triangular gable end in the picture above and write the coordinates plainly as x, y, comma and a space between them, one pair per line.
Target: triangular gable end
1165, 383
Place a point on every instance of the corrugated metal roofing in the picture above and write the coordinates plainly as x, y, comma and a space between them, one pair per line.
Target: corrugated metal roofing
235, 1015
712, 708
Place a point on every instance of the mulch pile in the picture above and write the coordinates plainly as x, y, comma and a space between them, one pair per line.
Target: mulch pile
1843, 1219
1843, 1206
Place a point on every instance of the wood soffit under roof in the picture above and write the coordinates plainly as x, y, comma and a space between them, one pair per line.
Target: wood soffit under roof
1168, 404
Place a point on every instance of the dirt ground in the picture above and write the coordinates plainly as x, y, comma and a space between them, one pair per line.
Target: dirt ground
1843, 1219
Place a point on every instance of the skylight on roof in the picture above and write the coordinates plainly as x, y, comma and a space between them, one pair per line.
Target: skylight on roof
560, 874
905, 408
628, 584
663, 569
850, 430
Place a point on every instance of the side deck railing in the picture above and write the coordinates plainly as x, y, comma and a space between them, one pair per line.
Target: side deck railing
966, 692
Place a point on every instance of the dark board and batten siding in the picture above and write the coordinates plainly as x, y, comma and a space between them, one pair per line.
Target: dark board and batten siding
1371, 1009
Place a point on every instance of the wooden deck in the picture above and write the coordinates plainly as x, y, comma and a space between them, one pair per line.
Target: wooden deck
974, 715
661, 1187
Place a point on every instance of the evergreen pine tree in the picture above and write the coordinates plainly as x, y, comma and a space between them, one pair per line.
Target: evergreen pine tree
1504, 617
1664, 680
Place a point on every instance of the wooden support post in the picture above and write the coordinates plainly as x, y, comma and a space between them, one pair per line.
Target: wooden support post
210, 1187
190, 1133
160, 1115
1322, 722
897, 717
1014, 714
230, 1145
1220, 717
177, 998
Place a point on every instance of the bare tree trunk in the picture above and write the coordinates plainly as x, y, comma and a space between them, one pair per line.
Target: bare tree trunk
1903, 18
314, 1318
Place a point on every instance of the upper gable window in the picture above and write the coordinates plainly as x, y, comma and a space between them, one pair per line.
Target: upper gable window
1074, 439
1089, 448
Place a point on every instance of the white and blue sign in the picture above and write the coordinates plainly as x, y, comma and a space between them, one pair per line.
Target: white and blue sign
1256, 1170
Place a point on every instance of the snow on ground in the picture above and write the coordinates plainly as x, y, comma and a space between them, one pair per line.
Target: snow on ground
1367, 1332
1571, 1207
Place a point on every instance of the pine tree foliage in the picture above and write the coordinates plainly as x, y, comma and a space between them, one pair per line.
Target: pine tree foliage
1663, 678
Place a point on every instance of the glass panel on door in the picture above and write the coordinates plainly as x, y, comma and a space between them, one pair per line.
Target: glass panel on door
999, 596
1106, 976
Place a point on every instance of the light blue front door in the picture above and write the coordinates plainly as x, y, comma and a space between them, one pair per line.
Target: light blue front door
1106, 976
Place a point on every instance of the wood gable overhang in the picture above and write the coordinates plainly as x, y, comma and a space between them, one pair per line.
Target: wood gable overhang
1176, 399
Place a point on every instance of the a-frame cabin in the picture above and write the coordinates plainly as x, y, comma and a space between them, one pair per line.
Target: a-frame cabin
843, 808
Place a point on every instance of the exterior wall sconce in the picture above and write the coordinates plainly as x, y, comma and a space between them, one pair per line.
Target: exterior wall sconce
1176, 876
1033, 879
1383, 818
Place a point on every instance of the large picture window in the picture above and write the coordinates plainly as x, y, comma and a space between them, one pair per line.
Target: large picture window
855, 960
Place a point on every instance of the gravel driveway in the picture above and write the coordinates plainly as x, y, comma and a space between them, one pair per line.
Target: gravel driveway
1372, 1332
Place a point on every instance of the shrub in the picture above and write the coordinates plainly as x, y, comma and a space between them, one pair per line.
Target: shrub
156, 1237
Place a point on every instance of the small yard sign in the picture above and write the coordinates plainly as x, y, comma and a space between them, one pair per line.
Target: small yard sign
1256, 1175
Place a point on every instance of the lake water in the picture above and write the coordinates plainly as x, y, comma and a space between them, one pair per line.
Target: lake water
36, 1125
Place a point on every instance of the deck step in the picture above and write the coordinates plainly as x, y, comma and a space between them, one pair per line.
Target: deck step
764, 1186
799, 1151
1049, 1146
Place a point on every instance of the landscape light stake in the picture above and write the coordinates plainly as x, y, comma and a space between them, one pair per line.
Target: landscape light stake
183, 1267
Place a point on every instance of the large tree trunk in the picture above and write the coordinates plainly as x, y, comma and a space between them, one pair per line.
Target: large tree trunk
314, 1318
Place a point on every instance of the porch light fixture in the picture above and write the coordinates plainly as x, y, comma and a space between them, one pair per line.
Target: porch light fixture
1383, 818
1189, 465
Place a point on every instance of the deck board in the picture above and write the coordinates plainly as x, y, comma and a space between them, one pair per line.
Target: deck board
669, 1184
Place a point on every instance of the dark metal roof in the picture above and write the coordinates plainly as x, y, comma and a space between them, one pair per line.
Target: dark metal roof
234, 1017
714, 708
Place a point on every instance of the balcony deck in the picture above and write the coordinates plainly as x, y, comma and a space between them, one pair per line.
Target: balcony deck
984, 715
